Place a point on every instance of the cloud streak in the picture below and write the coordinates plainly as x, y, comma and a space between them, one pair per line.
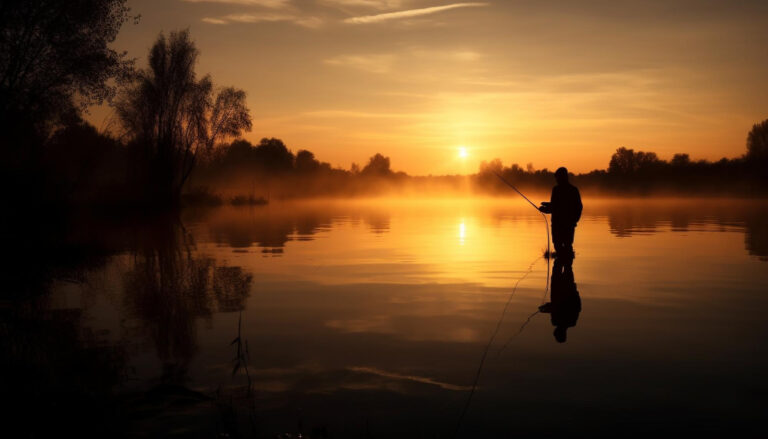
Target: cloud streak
310, 22
274, 4
212, 20
369, 63
374, 4
410, 13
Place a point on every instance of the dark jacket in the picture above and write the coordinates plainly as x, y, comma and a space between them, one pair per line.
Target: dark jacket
565, 205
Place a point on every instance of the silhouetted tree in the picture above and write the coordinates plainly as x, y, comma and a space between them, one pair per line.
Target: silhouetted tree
494, 165
274, 156
306, 162
757, 143
377, 165
680, 160
240, 152
622, 161
54, 59
627, 161
171, 115
84, 163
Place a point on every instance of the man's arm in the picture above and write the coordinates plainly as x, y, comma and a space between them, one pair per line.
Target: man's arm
546, 206
578, 206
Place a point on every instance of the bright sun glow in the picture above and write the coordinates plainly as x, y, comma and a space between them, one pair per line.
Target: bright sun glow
463, 153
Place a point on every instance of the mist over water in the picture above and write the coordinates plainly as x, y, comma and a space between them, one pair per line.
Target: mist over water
369, 317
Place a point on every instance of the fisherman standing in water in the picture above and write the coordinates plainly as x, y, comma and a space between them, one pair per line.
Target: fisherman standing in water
565, 207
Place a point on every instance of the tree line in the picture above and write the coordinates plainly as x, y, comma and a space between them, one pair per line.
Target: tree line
271, 168
639, 172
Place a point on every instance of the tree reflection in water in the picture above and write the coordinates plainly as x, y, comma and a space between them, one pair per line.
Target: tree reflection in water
169, 287
632, 217
80, 379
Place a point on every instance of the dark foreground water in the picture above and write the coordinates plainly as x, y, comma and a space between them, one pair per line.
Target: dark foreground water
371, 319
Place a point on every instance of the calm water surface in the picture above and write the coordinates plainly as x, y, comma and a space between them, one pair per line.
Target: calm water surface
370, 319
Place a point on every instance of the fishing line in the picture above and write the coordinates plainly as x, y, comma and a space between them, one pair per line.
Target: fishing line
490, 342
519, 331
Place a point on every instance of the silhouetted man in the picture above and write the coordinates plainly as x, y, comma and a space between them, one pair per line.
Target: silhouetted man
565, 207
566, 303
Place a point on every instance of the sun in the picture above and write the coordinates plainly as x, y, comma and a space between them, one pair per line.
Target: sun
463, 153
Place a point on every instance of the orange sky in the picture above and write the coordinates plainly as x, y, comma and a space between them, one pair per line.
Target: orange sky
548, 82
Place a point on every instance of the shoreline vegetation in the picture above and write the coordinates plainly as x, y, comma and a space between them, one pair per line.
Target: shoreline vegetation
244, 168
81, 167
242, 174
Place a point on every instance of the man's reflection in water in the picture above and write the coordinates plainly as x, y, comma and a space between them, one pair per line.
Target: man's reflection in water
566, 303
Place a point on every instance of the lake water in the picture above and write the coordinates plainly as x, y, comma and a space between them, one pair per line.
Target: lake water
372, 318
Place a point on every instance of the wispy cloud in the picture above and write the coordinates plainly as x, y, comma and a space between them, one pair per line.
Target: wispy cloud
380, 63
372, 4
274, 4
367, 63
410, 13
214, 20
310, 22
464, 55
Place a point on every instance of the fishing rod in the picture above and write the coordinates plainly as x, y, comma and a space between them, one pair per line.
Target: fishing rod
546, 222
516, 190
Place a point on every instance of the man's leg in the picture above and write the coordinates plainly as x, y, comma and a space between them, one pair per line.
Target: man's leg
567, 234
557, 239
